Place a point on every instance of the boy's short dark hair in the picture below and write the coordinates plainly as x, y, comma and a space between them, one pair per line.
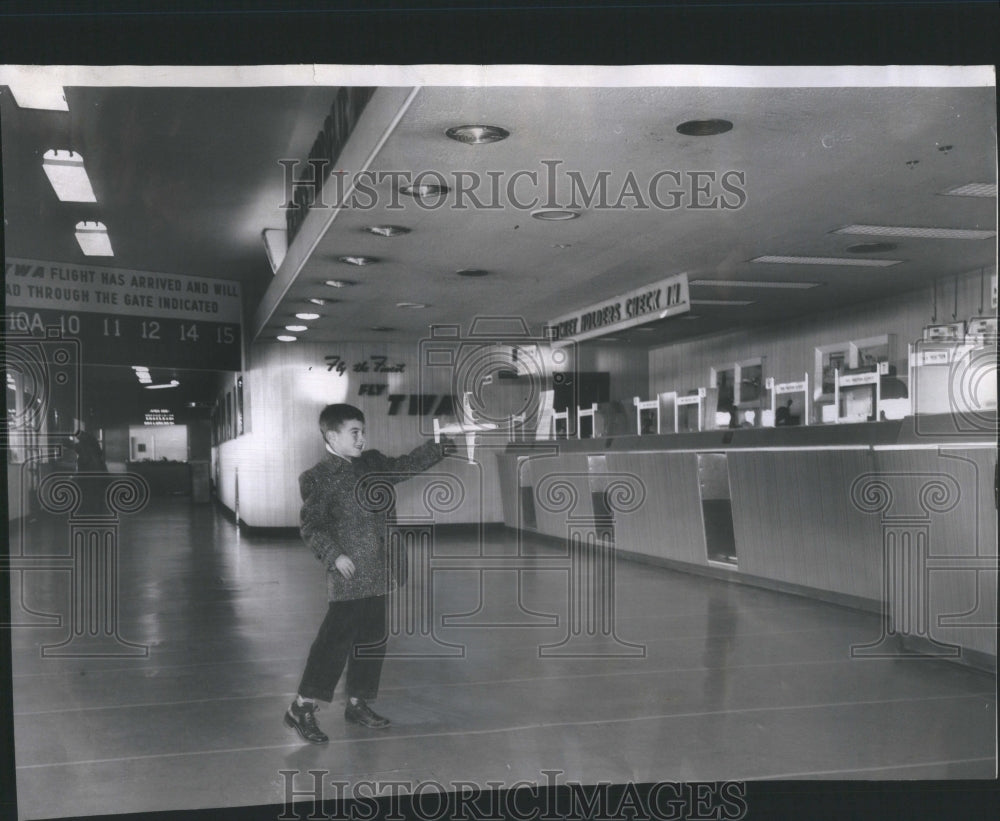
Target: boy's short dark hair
333, 416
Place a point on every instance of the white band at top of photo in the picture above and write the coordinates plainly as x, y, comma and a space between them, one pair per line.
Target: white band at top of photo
501, 75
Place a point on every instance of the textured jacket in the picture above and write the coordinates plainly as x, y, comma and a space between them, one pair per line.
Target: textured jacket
346, 508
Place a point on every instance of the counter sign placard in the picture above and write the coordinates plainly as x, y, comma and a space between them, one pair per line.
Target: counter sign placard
667, 297
125, 317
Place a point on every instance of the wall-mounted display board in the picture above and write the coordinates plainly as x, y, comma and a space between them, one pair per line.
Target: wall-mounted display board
124, 317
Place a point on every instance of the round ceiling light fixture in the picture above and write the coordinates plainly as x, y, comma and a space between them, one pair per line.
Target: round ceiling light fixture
477, 134
296, 328
307, 316
424, 191
472, 272
387, 230
286, 338
555, 215
704, 128
357, 260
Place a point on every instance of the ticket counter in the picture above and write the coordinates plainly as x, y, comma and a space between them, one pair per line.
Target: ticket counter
897, 516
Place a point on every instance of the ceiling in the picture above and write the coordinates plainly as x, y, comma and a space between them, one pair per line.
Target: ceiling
812, 160
187, 179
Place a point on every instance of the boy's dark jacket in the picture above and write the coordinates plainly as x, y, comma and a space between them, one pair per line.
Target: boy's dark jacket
345, 510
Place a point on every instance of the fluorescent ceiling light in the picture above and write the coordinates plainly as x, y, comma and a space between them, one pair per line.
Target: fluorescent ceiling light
94, 240
973, 189
923, 233
752, 283
853, 261
722, 302
40, 95
68, 176
173, 383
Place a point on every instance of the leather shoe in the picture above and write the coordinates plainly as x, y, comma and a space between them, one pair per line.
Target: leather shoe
302, 719
361, 713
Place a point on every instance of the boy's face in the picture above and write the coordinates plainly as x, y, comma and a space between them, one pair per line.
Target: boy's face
349, 440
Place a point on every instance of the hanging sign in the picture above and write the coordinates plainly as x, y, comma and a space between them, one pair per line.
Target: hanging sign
668, 297
124, 317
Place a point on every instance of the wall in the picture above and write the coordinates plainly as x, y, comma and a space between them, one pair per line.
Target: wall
168, 442
287, 385
789, 347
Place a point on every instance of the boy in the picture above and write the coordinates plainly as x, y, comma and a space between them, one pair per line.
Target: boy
344, 516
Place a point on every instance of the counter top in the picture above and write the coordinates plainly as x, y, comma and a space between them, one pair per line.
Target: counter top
931, 431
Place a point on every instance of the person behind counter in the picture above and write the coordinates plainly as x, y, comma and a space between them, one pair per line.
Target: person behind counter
349, 538
783, 415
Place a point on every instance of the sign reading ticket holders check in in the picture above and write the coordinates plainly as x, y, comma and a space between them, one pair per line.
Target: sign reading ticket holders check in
668, 297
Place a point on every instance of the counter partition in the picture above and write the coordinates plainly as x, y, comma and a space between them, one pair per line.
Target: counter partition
897, 517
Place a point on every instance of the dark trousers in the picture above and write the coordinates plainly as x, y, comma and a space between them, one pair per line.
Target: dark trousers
347, 627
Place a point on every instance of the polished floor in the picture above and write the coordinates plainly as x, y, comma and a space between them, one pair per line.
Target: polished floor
697, 679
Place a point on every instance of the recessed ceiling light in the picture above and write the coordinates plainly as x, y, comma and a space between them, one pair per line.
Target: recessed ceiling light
704, 128
387, 230
307, 316
973, 189
477, 134
868, 263
340, 283
555, 215
872, 247
425, 190
414, 305
472, 272
751, 283
94, 240
296, 328
68, 176
286, 338
722, 302
923, 233
315, 300
356, 260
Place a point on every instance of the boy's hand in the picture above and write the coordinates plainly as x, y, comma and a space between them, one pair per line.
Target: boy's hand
448, 446
345, 566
